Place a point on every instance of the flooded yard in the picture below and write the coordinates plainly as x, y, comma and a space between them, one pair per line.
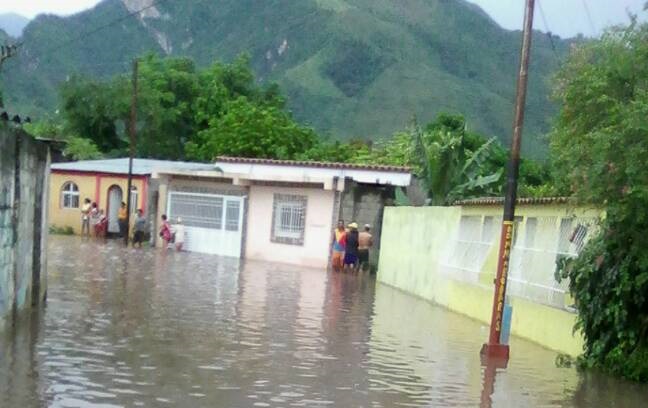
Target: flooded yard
128, 328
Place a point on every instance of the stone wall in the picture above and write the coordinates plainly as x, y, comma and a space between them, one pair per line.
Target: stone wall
364, 204
24, 168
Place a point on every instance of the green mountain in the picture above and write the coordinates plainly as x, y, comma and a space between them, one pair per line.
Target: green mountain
351, 68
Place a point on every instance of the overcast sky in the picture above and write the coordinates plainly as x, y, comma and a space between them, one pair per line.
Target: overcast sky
564, 17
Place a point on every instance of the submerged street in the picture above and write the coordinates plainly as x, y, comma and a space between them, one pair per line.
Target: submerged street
125, 327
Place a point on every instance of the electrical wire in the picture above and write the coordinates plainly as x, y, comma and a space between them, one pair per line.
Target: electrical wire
589, 17
549, 34
96, 30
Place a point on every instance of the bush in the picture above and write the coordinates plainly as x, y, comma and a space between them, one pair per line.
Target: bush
599, 146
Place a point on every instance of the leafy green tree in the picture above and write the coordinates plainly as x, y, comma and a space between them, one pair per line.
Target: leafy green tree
78, 148
250, 130
599, 149
166, 115
90, 112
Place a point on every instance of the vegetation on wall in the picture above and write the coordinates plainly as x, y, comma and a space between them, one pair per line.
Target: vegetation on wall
599, 149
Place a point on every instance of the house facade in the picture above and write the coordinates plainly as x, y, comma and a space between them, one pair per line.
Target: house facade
104, 182
275, 210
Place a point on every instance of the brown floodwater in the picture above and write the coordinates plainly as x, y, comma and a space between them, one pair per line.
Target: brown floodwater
130, 328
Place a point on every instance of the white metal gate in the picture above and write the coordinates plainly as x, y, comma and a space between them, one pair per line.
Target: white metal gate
213, 223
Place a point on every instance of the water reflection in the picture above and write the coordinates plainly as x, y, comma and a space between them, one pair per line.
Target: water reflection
142, 328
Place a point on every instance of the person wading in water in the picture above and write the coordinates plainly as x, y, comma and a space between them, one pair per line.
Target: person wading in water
338, 247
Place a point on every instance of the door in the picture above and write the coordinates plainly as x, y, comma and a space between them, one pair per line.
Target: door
213, 223
114, 202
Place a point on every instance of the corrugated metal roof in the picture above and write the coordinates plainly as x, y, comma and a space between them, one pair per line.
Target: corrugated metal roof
141, 167
328, 165
520, 201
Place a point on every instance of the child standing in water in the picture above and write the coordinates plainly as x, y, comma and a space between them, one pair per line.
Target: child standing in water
165, 232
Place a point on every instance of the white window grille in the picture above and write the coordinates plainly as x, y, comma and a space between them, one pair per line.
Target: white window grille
289, 219
535, 257
232, 215
70, 195
466, 255
197, 210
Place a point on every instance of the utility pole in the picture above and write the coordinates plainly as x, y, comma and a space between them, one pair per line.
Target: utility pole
494, 348
132, 136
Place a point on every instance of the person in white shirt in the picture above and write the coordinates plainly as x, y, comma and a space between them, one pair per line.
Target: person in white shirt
178, 234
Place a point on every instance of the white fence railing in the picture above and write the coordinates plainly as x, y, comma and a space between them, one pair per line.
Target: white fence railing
539, 242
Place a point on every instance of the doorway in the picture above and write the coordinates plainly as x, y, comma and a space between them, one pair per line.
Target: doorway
114, 202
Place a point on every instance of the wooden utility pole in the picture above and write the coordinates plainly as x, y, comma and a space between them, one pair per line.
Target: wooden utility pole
494, 348
132, 129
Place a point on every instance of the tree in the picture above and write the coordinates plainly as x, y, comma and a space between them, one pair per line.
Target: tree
89, 111
599, 147
250, 130
168, 88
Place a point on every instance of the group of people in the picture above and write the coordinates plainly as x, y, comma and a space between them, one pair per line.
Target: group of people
94, 221
350, 248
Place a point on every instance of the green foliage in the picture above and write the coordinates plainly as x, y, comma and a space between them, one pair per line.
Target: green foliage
78, 148
599, 149
47, 129
183, 113
89, 109
168, 87
249, 130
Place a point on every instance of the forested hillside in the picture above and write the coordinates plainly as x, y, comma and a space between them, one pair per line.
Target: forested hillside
350, 68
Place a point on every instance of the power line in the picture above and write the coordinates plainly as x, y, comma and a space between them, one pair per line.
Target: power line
98, 29
589, 17
549, 34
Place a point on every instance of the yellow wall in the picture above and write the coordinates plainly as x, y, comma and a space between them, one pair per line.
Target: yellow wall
64, 217
413, 244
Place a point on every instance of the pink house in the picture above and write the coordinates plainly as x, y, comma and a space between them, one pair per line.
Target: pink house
275, 210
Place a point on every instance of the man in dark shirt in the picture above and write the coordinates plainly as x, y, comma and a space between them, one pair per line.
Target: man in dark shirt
352, 242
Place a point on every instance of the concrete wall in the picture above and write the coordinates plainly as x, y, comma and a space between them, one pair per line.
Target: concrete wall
92, 186
24, 164
364, 204
315, 250
415, 241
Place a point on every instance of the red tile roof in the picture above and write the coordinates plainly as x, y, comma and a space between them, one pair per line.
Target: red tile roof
520, 201
327, 165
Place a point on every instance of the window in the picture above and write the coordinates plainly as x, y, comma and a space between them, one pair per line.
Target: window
488, 229
70, 195
289, 219
232, 212
133, 199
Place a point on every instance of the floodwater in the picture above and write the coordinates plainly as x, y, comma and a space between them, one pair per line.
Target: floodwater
129, 328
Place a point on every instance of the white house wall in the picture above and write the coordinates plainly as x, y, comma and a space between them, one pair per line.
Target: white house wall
319, 214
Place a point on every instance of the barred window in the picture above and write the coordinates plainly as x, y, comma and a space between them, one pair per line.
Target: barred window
289, 219
232, 215
70, 195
